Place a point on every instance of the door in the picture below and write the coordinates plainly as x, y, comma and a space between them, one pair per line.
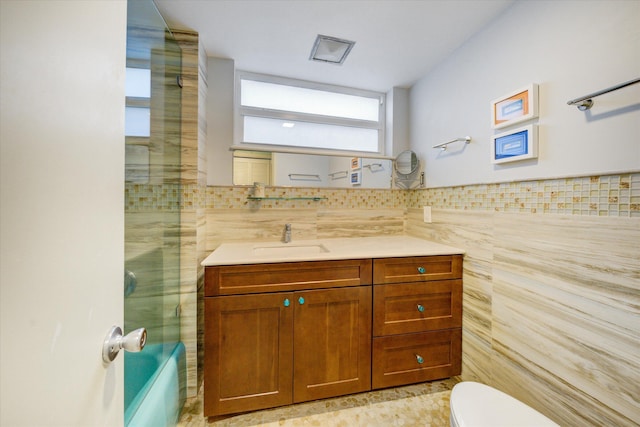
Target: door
61, 211
248, 352
332, 342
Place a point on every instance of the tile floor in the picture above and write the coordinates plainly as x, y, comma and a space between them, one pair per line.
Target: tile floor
425, 404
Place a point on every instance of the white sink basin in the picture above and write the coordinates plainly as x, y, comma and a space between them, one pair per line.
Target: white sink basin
289, 249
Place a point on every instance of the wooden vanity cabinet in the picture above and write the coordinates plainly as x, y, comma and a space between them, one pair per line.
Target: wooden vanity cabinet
275, 348
284, 333
417, 322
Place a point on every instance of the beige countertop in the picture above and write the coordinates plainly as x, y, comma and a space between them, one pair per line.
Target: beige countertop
326, 249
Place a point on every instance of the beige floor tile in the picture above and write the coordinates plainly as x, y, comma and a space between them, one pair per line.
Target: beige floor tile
424, 404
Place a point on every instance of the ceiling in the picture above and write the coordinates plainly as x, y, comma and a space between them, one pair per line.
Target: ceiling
397, 41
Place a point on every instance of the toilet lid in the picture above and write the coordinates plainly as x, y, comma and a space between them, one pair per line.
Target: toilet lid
478, 405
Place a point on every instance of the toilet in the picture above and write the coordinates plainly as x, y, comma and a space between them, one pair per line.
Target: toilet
478, 405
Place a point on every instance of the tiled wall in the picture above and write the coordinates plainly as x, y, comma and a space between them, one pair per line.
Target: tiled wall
552, 276
192, 203
550, 309
551, 292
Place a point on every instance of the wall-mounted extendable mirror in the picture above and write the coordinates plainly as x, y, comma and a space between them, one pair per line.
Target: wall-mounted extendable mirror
406, 163
407, 166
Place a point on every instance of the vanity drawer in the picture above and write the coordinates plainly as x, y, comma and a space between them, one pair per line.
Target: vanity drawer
417, 269
417, 307
288, 276
413, 358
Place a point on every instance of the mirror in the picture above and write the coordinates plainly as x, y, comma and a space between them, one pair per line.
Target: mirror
407, 167
406, 163
310, 170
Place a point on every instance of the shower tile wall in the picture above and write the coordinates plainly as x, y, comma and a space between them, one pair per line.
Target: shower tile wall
193, 180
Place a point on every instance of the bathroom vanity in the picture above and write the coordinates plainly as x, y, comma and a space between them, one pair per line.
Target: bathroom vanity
288, 323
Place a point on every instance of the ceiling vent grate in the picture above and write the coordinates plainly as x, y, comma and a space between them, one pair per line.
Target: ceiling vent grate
330, 49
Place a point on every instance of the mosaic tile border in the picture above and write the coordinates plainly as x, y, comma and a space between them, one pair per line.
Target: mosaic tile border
164, 197
237, 198
608, 195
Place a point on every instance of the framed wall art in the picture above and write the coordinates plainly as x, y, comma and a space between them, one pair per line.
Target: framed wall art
516, 144
515, 107
356, 163
356, 177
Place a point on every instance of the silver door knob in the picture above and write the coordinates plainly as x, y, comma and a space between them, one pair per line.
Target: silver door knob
114, 342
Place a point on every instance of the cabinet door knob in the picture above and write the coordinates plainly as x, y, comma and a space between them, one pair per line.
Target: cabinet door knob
421, 308
286, 302
419, 359
421, 270
301, 300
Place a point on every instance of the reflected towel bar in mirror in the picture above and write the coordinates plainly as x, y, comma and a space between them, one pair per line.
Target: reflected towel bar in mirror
304, 177
374, 167
339, 174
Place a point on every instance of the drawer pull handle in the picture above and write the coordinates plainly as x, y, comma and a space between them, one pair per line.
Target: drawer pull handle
419, 359
421, 270
301, 300
421, 308
287, 303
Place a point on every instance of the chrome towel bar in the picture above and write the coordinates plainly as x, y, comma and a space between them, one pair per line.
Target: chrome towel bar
585, 102
443, 146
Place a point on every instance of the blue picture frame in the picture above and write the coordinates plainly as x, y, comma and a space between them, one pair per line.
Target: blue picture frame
515, 145
356, 177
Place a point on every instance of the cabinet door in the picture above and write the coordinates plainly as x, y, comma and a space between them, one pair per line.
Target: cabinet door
332, 342
248, 352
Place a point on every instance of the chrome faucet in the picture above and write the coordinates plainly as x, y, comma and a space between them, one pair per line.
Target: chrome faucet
287, 233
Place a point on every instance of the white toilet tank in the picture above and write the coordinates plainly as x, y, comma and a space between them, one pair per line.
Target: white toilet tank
478, 405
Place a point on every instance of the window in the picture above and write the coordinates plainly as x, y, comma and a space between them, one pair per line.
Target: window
278, 114
137, 124
137, 110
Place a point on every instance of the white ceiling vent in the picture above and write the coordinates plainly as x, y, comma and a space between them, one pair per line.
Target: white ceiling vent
330, 49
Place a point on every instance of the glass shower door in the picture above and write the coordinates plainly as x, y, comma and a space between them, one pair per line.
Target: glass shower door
152, 197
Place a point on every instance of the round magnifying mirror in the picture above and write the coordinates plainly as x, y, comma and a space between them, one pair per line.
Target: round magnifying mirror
406, 162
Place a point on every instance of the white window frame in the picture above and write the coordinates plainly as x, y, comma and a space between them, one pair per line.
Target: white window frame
241, 111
